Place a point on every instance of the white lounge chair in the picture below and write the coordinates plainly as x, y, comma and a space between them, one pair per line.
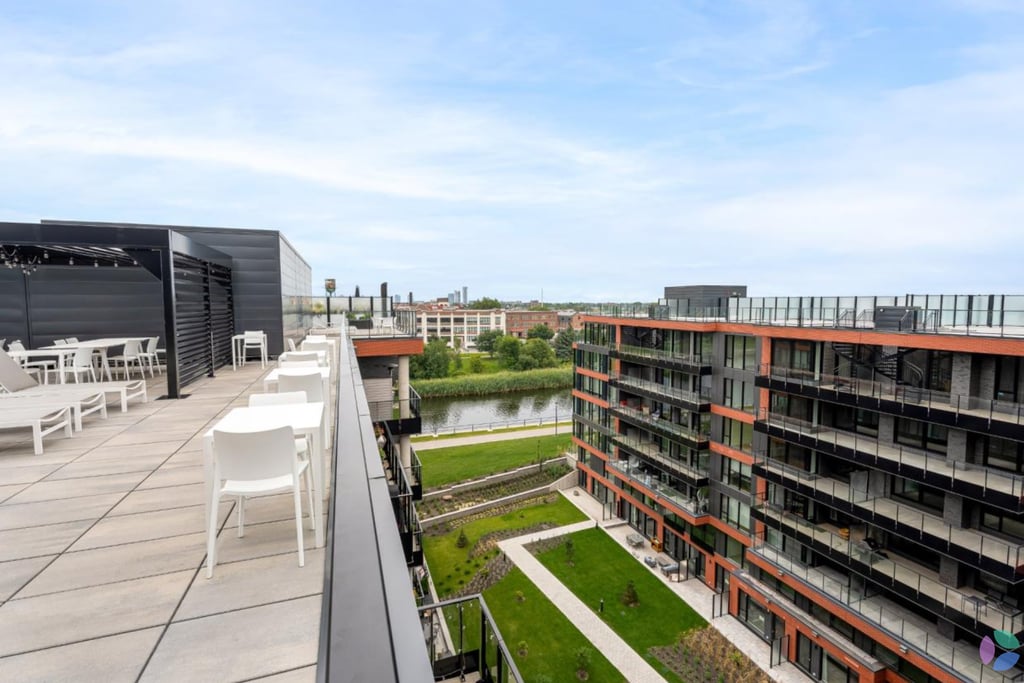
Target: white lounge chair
17, 382
42, 419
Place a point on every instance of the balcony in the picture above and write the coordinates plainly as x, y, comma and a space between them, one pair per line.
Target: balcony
696, 475
987, 485
1002, 558
911, 631
1000, 418
391, 411
967, 609
692, 507
670, 430
697, 401
696, 364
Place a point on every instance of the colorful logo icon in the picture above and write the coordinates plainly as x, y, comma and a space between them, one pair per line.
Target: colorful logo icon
1007, 641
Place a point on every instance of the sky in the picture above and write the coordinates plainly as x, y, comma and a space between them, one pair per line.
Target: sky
570, 151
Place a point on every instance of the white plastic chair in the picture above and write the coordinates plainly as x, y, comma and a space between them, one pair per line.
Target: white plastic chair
310, 381
298, 357
81, 363
132, 353
291, 344
254, 463
60, 342
72, 340
323, 346
254, 339
149, 355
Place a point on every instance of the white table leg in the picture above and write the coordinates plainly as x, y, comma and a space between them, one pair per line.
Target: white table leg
317, 462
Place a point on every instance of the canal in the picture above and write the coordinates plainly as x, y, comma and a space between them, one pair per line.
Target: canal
483, 412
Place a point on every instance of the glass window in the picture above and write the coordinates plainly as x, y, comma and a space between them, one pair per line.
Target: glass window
740, 352
736, 434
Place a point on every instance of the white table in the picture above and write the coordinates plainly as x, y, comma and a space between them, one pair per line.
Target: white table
238, 350
270, 385
304, 418
102, 345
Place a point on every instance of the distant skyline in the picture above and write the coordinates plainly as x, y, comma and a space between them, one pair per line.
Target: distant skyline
595, 151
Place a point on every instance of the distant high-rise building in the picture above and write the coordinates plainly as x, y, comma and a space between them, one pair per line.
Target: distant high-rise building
465, 294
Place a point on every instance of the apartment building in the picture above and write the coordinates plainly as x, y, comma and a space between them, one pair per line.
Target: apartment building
519, 322
846, 472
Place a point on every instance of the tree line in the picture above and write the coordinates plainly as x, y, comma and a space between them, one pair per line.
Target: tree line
542, 349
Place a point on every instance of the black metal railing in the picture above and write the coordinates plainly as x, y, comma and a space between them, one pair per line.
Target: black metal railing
462, 639
694, 438
681, 361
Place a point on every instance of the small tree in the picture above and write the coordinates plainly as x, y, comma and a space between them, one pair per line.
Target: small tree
484, 303
508, 348
433, 362
570, 553
462, 542
583, 659
629, 596
541, 331
520, 596
536, 353
486, 341
476, 364
563, 344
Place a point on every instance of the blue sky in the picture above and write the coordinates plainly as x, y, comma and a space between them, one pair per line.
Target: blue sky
593, 150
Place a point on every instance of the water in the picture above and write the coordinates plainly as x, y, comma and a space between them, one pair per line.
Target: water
481, 412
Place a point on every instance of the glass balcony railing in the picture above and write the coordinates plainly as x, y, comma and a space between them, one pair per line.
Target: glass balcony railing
927, 590
884, 389
885, 615
697, 471
998, 556
656, 423
679, 359
964, 478
671, 393
637, 474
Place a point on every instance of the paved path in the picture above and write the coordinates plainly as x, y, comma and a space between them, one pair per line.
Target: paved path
485, 438
633, 667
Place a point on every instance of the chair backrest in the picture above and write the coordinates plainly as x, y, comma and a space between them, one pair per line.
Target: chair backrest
261, 454
317, 346
151, 344
60, 342
16, 345
83, 358
295, 356
316, 337
72, 340
132, 348
12, 377
302, 380
298, 364
279, 399
251, 335
291, 344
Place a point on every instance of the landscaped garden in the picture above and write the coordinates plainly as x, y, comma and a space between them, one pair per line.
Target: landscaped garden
644, 612
534, 478
461, 463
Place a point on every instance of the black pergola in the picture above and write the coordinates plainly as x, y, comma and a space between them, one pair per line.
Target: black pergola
195, 285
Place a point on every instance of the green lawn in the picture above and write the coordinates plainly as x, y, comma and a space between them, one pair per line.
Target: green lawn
601, 570
488, 365
460, 463
451, 566
551, 638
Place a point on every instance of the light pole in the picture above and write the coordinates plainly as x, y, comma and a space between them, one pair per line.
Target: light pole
329, 288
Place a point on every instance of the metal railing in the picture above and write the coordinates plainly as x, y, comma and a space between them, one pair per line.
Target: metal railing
881, 568
656, 423
968, 479
958, 657
462, 639
889, 390
972, 545
556, 420
696, 507
682, 395
695, 471
681, 359
413, 472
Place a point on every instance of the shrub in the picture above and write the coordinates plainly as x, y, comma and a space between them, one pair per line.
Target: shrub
629, 596
462, 541
522, 649
583, 658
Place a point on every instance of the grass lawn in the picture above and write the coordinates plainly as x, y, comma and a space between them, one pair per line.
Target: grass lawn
487, 365
460, 463
500, 430
552, 640
600, 570
451, 566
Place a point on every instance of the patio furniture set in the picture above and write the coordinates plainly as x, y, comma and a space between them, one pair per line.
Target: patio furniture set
277, 443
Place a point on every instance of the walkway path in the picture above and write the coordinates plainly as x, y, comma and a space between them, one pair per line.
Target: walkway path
633, 667
497, 436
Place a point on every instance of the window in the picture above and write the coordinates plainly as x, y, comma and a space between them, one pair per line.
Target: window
916, 492
735, 512
918, 434
736, 434
740, 352
1004, 523
739, 395
754, 616
1008, 370
793, 354
736, 474
1003, 454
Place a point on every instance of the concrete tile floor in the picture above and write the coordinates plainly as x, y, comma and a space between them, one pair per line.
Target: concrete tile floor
102, 552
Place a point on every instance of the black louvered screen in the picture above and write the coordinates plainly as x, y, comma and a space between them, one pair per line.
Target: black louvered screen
222, 314
191, 288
